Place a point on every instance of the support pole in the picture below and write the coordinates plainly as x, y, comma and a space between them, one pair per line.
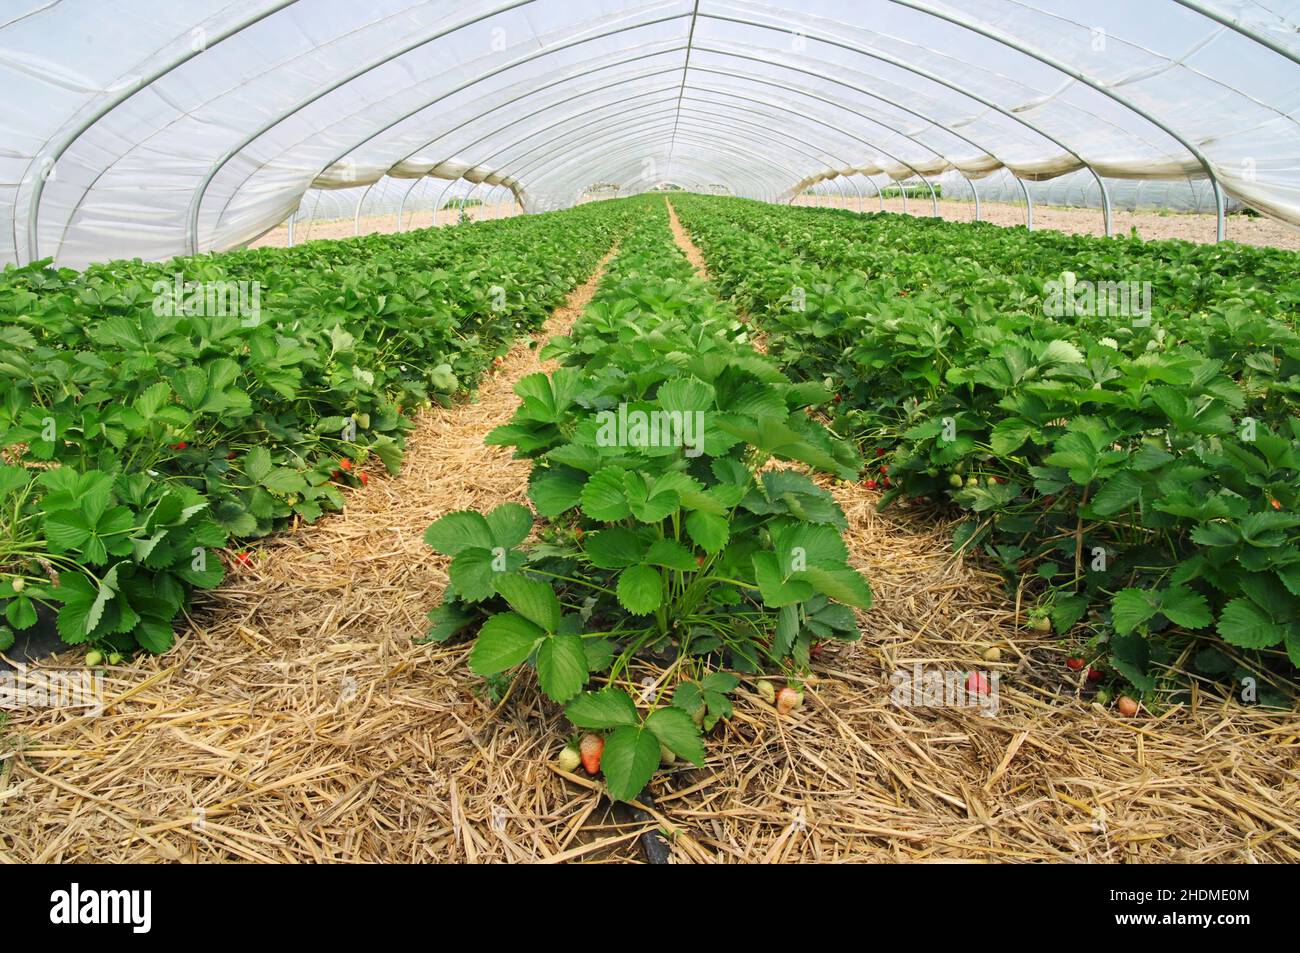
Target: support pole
356, 219
1029, 204
975, 192
401, 206
437, 205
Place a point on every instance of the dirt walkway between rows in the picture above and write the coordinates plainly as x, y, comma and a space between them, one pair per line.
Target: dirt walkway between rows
298, 721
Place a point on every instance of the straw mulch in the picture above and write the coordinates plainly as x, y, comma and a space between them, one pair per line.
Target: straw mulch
298, 722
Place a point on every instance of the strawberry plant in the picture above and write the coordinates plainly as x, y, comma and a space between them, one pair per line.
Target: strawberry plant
1138, 474
143, 430
666, 534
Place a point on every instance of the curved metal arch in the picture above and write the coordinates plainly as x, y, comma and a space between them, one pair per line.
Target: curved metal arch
67, 140
513, 169
519, 171
617, 129
492, 156
196, 200
401, 204
662, 52
93, 182
702, 128
973, 191
1079, 76
752, 183
749, 77
464, 199
625, 28
1238, 27
584, 93
638, 143
703, 163
532, 91
866, 142
926, 74
586, 142
686, 68
515, 159
437, 203
577, 114
356, 221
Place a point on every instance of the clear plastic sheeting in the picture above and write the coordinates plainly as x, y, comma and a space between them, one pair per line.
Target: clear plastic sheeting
414, 200
1079, 190
154, 127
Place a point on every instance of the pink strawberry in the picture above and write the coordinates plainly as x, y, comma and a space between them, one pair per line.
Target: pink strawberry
591, 749
787, 700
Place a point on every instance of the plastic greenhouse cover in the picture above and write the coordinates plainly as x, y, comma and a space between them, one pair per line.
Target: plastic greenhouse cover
155, 127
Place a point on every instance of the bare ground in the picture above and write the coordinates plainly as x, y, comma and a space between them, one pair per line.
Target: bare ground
1190, 227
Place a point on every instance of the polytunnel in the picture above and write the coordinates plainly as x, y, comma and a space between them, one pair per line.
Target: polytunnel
156, 128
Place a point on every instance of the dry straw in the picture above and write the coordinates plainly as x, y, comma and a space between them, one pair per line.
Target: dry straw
298, 721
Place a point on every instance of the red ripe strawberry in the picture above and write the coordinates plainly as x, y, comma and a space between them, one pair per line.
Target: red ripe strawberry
886, 483
336, 475
884, 468
244, 558
231, 455
977, 683
880, 451
363, 477
1275, 504
871, 484
345, 464
579, 532
1095, 674
591, 749
838, 398
180, 446
816, 649
1074, 664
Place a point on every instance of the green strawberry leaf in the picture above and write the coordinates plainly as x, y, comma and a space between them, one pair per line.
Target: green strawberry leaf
629, 761
504, 641
640, 589
607, 708
562, 667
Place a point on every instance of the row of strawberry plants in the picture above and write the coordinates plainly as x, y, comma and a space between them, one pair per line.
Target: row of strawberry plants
1137, 474
663, 533
152, 412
